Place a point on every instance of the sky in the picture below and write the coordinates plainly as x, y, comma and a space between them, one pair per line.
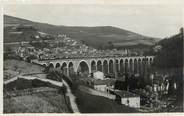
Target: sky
151, 20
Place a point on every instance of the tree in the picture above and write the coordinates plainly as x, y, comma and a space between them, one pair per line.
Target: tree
171, 54
170, 60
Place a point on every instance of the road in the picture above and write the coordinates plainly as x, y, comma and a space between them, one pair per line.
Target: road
71, 97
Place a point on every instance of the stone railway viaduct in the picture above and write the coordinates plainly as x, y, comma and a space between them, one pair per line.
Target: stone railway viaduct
108, 65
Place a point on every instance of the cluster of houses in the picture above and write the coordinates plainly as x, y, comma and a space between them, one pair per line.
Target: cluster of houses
99, 82
133, 98
58, 46
63, 47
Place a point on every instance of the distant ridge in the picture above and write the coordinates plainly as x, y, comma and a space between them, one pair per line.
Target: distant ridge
97, 37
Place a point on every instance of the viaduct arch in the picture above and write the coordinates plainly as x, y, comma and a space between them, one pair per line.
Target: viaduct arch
107, 65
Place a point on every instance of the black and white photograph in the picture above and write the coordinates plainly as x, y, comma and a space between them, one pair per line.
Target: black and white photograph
92, 58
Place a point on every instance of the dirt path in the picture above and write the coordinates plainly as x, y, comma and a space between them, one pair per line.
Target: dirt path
56, 83
72, 98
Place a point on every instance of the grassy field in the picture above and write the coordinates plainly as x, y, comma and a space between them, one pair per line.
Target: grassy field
14, 67
95, 104
43, 102
39, 102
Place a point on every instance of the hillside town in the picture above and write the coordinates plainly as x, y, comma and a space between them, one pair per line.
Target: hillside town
125, 88
45, 46
114, 60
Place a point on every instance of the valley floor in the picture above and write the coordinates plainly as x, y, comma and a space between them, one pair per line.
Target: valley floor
88, 103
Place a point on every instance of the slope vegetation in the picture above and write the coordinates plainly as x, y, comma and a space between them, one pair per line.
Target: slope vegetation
98, 37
